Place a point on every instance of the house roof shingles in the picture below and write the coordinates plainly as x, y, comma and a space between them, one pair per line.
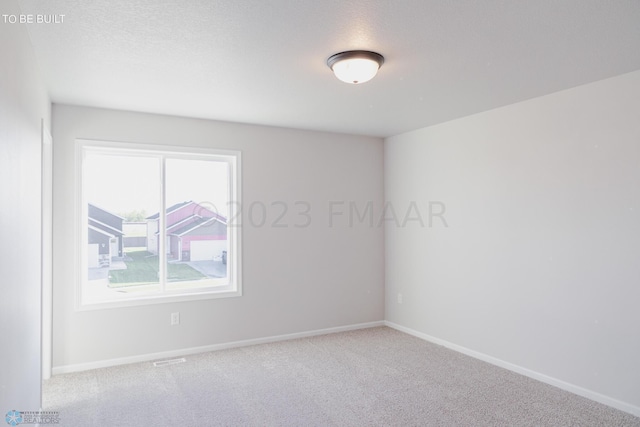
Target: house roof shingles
199, 222
170, 209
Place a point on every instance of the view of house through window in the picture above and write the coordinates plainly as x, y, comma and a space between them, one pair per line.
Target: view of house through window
156, 223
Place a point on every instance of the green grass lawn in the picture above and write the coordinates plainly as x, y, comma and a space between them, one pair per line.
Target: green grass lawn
143, 269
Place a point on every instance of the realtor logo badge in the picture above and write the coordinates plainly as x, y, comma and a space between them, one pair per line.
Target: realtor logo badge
13, 417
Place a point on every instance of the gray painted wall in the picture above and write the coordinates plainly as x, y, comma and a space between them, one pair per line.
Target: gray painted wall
294, 279
539, 265
23, 103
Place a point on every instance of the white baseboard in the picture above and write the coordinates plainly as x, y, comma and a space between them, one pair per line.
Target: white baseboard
589, 394
195, 350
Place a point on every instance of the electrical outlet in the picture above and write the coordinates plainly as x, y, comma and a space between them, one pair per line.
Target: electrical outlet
175, 318
399, 298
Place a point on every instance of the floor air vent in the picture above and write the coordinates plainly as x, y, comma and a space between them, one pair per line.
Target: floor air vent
169, 362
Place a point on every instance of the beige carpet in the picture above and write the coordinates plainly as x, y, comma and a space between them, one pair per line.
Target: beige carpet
369, 377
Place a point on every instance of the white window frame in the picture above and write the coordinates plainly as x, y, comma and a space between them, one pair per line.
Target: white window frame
234, 258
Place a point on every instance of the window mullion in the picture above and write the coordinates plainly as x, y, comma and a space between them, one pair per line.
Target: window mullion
162, 256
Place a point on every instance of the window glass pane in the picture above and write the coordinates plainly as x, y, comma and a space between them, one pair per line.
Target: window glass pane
197, 200
121, 194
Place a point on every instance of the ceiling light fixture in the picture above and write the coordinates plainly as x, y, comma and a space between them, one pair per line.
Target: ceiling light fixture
355, 66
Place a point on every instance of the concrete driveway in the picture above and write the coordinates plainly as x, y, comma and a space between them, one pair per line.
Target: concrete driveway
209, 268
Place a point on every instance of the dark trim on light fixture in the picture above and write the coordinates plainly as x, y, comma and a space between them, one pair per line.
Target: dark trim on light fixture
353, 54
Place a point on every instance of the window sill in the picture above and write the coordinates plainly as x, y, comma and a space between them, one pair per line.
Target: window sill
129, 301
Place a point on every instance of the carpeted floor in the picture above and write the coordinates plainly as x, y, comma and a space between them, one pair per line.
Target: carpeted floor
368, 377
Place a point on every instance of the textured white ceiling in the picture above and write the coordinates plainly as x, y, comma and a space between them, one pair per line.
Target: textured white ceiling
264, 61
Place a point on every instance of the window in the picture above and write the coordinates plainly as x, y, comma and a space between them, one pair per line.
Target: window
157, 224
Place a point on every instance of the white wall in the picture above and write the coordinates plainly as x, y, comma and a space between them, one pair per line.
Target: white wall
294, 279
23, 103
540, 263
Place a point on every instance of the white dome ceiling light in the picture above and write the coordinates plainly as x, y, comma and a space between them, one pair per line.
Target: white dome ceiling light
355, 66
